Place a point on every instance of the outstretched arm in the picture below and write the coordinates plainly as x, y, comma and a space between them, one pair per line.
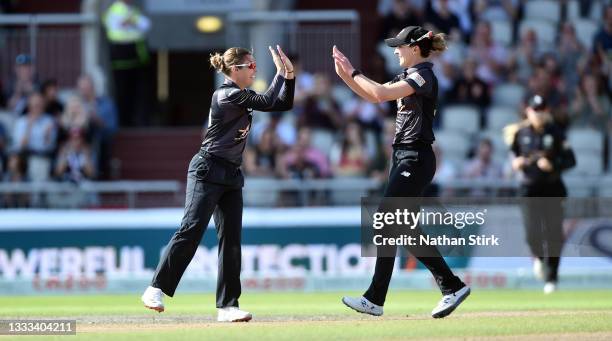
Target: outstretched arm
270, 100
367, 88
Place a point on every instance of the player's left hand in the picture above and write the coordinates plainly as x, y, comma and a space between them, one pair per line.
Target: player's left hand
343, 62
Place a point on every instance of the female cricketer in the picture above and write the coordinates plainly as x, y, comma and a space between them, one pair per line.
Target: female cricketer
214, 179
413, 161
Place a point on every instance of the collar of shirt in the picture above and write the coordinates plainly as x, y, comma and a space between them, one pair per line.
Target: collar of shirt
230, 83
423, 65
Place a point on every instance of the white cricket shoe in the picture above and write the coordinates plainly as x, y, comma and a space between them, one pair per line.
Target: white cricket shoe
362, 305
233, 314
450, 302
152, 299
550, 287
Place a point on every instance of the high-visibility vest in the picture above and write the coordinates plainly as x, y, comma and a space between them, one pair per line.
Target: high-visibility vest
130, 42
122, 35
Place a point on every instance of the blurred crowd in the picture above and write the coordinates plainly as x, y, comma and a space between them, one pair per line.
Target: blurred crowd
500, 52
45, 135
493, 46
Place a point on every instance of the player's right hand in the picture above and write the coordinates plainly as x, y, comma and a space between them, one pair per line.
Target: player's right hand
280, 67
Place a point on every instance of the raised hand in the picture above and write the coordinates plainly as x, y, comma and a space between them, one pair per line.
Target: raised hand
286, 61
280, 67
342, 61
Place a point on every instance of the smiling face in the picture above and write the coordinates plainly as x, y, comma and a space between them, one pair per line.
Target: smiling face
407, 55
244, 75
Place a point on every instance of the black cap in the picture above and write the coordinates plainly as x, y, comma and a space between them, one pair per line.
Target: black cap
537, 103
409, 35
23, 59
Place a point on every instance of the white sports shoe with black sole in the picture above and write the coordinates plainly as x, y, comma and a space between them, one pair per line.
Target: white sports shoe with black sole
233, 314
362, 305
152, 299
450, 302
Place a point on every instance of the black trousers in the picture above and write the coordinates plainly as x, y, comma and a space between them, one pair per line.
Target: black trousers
543, 216
213, 188
419, 163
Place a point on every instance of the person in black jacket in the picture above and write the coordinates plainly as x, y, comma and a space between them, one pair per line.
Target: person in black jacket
541, 153
215, 180
413, 161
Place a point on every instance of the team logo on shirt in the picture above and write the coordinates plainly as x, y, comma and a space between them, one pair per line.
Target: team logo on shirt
418, 79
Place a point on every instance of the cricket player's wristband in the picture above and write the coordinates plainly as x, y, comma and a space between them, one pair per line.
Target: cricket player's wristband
355, 73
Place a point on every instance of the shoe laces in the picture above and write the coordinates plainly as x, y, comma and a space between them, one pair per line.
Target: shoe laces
446, 299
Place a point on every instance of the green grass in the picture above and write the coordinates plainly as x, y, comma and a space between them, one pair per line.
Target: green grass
321, 316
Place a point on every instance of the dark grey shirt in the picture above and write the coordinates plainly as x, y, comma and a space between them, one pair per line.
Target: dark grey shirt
231, 111
415, 113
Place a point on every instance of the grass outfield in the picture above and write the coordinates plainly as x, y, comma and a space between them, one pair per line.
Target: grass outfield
570, 315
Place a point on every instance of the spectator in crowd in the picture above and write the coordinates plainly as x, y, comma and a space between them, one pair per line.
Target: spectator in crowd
602, 42
602, 45
482, 166
75, 159
369, 115
103, 114
571, 54
379, 167
402, 14
525, 56
49, 90
75, 116
304, 83
320, 109
496, 10
442, 18
285, 131
591, 105
446, 172
492, 58
350, 157
303, 161
34, 140
263, 158
470, 89
23, 85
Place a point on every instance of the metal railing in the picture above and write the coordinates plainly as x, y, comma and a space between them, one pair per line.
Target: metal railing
66, 44
263, 192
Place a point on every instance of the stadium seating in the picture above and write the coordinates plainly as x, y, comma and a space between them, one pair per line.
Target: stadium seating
546, 30
502, 32
510, 95
462, 118
322, 140
586, 140
454, 145
500, 148
7, 120
543, 9
585, 30
500, 116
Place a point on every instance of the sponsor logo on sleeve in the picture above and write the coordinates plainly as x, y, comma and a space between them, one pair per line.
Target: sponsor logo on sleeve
418, 79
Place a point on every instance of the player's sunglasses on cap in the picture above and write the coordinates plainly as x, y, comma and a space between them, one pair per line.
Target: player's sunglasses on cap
409, 36
251, 65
